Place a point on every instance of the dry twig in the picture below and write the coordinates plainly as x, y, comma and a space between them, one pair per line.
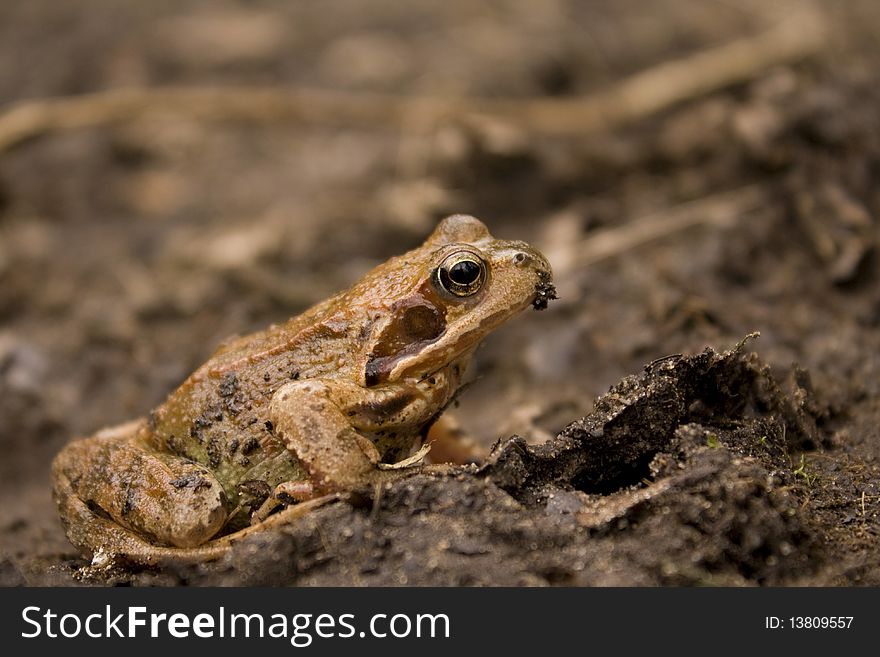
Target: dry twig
715, 210
631, 99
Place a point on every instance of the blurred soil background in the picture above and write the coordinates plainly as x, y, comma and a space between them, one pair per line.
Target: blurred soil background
134, 240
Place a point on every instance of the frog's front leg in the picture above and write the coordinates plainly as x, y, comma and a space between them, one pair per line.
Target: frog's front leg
341, 431
114, 475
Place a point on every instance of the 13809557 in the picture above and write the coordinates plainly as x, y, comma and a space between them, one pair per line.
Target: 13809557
820, 622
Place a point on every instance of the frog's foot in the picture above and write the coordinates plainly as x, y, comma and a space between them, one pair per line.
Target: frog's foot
113, 480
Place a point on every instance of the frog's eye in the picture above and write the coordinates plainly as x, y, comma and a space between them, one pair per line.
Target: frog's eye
461, 274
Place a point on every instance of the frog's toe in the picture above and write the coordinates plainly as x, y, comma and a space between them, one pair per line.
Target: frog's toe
285, 494
408, 462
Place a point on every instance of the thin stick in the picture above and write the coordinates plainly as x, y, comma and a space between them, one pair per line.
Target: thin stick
632, 99
717, 210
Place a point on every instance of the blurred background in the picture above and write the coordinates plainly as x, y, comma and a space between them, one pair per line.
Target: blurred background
695, 170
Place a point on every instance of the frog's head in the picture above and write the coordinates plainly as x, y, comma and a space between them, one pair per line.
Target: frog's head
441, 299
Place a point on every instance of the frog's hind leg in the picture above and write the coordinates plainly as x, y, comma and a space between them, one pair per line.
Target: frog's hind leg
116, 494
101, 539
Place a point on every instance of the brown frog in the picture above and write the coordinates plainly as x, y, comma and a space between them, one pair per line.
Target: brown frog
337, 399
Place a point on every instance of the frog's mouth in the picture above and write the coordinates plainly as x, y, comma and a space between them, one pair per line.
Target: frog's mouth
545, 292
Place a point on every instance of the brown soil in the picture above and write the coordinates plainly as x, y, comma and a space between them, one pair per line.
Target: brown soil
129, 251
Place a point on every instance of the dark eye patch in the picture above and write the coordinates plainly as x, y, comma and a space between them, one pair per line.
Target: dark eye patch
416, 322
421, 323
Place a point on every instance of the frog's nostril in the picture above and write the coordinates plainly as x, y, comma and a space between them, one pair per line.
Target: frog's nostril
521, 259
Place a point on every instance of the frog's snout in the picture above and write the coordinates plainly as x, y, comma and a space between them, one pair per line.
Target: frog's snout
545, 291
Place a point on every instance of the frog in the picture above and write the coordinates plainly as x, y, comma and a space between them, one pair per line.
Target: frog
335, 401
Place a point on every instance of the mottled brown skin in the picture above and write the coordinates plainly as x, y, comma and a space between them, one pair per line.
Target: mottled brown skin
285, 418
